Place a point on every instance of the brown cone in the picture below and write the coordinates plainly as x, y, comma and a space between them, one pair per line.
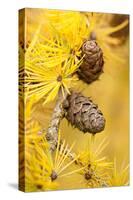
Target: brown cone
93, 62
83, 114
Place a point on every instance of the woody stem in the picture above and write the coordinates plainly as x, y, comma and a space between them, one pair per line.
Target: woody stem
57, 116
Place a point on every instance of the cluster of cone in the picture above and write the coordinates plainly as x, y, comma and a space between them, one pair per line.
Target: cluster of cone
81, 112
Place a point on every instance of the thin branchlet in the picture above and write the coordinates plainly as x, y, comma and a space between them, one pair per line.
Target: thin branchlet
57, 116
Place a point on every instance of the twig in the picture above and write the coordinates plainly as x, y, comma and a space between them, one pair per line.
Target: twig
58, 114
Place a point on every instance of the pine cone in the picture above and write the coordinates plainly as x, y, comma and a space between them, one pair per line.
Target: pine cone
83, 114
93, 62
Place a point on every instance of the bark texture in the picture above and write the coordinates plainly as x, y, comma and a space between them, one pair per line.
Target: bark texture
58, 114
